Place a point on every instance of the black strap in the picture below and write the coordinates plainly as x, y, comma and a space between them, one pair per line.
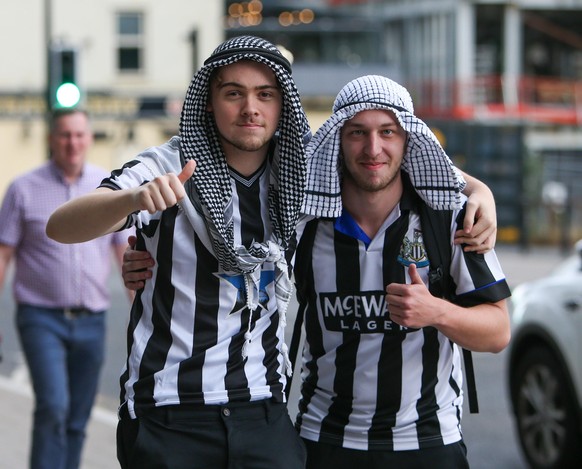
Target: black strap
436, 225
471, 383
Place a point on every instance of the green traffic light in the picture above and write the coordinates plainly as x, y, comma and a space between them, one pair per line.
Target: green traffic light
68, 95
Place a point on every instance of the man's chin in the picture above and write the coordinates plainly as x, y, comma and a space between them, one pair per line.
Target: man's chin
250, 145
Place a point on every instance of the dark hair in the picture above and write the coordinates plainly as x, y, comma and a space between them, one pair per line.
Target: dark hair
58, 114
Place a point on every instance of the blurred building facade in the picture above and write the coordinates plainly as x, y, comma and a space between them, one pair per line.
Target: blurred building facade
134, 61
499, 81
144, 50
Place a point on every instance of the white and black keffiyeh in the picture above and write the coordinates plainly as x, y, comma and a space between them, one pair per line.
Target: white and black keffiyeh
200, 142
431, 172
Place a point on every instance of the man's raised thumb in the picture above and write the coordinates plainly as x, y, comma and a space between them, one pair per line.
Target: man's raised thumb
414, 275
187, 171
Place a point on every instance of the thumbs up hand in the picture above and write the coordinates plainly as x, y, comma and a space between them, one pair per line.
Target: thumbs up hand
164, 191
411, 305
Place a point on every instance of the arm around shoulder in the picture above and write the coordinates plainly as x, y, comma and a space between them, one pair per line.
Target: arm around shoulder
480, 223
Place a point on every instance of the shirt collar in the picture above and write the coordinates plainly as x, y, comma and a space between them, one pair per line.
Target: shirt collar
346, 224
60, 174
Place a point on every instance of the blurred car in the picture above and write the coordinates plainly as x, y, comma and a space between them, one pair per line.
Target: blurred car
545, 366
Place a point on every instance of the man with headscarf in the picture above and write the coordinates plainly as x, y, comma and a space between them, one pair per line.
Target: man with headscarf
381, 372
205, 375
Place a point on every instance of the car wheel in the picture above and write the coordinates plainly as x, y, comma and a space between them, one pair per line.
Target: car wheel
546, 411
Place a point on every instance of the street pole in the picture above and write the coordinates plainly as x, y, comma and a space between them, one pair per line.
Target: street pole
48, 45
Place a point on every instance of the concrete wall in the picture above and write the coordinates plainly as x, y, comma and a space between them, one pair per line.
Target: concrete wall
90, 26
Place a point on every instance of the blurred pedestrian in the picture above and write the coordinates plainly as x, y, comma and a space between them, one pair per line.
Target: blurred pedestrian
61, 292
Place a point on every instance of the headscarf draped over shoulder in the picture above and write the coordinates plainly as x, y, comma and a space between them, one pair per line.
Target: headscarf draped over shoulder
431, 172
200, 142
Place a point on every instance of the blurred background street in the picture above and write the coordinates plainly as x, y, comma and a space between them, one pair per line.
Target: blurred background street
500, 84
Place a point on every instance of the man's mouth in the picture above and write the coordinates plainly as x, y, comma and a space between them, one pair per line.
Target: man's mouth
372, 165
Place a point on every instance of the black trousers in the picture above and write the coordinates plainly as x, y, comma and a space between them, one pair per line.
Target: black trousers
250, 435
325, 456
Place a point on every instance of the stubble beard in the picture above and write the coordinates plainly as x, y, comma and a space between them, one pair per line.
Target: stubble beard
249, 144
366, 184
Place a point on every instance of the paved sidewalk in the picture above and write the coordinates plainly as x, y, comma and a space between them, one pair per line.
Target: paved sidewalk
16, 404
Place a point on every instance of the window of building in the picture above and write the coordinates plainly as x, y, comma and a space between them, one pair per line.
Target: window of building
130, 37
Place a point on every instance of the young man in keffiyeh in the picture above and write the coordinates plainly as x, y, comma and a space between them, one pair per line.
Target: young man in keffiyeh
381, 372
204, 379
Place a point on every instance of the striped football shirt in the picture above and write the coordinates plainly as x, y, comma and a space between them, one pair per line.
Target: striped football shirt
187, 326
368, 383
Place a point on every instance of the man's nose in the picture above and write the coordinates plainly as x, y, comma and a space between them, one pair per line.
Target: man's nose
373, 145
250, 106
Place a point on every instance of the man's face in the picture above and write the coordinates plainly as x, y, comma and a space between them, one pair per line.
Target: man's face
69, 141
372, 145
246, 101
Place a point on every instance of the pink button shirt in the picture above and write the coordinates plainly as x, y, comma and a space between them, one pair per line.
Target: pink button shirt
48, 273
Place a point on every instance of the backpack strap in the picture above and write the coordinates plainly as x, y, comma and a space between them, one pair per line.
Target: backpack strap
436, 226
303, 271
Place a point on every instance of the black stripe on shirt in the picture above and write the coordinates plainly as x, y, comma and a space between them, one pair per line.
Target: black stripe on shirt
271, 359
252, 226
304, 278
428, 426
347, 280
205, 333
160, 341
235, 380
390, 362
135, 315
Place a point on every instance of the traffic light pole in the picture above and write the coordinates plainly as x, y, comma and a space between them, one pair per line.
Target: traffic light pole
48, 46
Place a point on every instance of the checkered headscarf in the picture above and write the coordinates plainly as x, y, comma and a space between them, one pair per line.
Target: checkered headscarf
431, 171
200, 142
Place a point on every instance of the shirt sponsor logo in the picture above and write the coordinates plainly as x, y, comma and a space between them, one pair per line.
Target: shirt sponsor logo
362, 312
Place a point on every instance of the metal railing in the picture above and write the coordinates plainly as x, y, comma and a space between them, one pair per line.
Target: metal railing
538, 99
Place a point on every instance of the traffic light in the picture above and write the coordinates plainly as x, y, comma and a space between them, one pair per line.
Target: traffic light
64, 89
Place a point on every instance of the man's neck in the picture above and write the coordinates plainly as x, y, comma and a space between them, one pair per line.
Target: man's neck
370, 209
70, 173
245, 162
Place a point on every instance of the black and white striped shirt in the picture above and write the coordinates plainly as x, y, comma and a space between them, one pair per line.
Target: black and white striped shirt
187, 325
367, 382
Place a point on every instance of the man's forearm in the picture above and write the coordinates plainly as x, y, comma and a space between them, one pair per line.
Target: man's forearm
6, 255
90, 216
481, 328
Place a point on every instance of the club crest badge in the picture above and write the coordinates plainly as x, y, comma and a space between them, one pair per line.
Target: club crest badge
413, 251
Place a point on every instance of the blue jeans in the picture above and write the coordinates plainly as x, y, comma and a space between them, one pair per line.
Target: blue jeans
64, 356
